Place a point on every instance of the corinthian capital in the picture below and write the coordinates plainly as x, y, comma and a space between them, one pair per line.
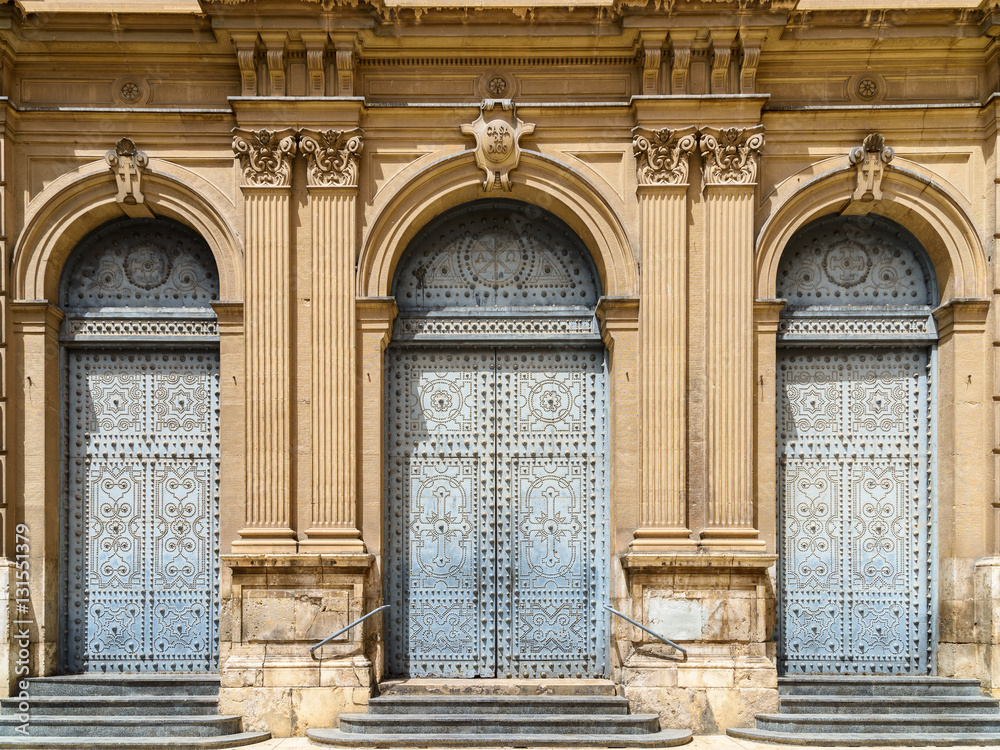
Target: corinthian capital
662, 155
334, 156
265, 156
731, 155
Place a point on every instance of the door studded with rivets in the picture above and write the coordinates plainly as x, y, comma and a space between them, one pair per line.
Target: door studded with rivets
854, 483
142, 522
497, 518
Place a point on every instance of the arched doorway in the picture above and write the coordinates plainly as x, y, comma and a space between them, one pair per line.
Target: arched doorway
855, 450
497, 533
140, 532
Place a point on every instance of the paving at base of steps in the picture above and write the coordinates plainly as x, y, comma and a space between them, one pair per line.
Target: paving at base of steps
700, 742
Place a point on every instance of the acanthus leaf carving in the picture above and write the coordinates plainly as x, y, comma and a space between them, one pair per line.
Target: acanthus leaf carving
333, 155
265, 156
732, 155
498, 149
871, 158
662, 156
128, 163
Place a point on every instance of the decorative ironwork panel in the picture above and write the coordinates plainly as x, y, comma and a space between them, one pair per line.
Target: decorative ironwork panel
140, 263
497, 518
852, 261
142, 533
496, 254
551, 515
441, 453
854, 476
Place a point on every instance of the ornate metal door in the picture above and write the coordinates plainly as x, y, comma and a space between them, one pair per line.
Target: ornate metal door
143, 525
497, 516
854, 476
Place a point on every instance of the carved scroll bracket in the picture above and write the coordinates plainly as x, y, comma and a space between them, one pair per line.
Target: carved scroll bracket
498, 150
732, 155
265, 156
333, 156
127, 163
871, 158
662, 156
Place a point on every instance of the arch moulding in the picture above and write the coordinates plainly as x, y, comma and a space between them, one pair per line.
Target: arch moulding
84, 199
916, 201
539, 180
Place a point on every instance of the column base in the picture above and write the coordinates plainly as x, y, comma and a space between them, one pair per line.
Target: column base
667, 538
734, 540
261, 541
332, 540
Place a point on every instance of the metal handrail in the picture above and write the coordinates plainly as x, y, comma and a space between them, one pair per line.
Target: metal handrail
344, 630
647, 630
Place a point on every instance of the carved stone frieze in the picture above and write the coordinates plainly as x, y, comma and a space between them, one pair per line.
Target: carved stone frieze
732, 155
871, 158
497, 134
333, 156
128, 163
265, 156
662, 155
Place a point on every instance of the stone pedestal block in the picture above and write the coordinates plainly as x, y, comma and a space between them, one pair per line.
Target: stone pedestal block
987, 618
274, 608
720, 608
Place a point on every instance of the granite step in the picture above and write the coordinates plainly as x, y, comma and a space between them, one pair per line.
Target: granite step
117, 684
127, 705
880, 723
502, 724
857, 686
872, 739
497, 704
97, 725
132, 743
496, 687
889, 704
338, 739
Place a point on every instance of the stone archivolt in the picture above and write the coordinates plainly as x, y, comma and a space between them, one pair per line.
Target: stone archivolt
662, 155
732, 155
334, 156
265, 156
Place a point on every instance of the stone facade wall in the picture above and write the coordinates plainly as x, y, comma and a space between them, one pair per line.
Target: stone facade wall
685, 143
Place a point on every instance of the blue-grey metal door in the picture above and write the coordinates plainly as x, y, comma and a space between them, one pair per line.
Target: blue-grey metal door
497, 524
143, 511
854, 502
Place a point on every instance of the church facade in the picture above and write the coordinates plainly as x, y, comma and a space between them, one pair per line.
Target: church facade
525, 322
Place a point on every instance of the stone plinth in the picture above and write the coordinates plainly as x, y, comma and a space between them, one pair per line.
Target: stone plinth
274, 608
718, 606
987, 619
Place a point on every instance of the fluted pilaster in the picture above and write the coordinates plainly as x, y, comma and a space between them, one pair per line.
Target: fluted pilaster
334, 493
663, 332
730, 168
265, 158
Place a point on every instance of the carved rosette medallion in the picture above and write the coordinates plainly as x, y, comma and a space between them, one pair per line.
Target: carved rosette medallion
265, 156
662, 155
128, 163
732, 155
498, 149
334, 156
871, 158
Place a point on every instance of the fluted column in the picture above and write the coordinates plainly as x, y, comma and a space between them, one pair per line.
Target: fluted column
730, 162
333, 187
662, 171
265, 158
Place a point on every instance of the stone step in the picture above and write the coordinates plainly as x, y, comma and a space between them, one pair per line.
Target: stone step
508, 725
134, 743
889, 704
114, 705
431, 686
872, 739
881, 723
121, 726
336, 738
497, 704
851, 685
118, 684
